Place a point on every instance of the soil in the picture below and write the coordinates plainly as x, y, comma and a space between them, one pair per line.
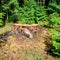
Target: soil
18, 45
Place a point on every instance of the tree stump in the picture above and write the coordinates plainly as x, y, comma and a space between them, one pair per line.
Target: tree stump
25, 29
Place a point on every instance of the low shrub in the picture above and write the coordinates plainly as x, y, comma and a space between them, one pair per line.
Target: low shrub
1, 18
55, 42
30, 15
1, 23
54, 20
53, 7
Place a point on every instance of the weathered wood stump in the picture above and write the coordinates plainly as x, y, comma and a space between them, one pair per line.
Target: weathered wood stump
25, 29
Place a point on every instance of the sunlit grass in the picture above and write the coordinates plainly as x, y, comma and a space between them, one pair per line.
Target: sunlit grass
6, 28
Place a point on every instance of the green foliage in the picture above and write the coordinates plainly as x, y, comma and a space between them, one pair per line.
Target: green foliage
40, 13
30, 3
31, 15
1, 22
54, 20
26, 15
10, 9
53, 7
1, 18
41, 16
2, 14
55, 42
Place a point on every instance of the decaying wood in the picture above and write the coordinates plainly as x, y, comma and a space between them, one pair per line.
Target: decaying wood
26, 29
30, 27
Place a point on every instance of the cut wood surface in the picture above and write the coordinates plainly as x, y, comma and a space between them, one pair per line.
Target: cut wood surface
26, 24
31, 27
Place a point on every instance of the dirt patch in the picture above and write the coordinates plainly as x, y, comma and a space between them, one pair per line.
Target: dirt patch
22, 48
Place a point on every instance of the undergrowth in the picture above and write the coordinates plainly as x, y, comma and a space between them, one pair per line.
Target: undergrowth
55, 36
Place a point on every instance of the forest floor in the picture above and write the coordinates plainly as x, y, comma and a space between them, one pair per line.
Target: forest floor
23, 48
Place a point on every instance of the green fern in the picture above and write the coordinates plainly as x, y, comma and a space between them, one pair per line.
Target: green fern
54, 20
1, 18
55, 42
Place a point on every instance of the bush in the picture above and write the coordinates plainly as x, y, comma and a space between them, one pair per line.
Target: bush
53, 7
54, 20
1, 18
1, 23
41, 16
55, 42
30, 15
26, 15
